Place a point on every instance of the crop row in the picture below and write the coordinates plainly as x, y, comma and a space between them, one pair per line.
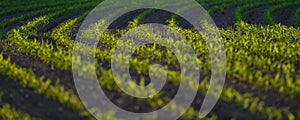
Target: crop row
228, 5
5, 23
238, 14
268, 12
27, 29
9, 113
283, 66
237, 70
38, 6
106, 59
135, 22
62, 33
29, 26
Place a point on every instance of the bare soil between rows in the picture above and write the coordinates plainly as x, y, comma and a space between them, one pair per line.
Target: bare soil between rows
36, 105
29, 101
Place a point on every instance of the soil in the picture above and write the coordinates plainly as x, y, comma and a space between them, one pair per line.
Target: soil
7, 17
39, 68
34, 104
270, 98
256, 16
38, 106
19, 23
223, 109
224, 19
286, 16
122, 21
226, 110
53, 23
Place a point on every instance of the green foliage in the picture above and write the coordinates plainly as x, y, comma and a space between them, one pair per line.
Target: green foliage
261, 57
27, 79
238, 13
9, 113
268, 13
297, 15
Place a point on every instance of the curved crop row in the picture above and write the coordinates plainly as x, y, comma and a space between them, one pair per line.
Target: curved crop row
38, 6
111, 42
33, 24
268, 13
28, 79
238, 13
7, 23
62, 33
9, 113
232, 4
269, 65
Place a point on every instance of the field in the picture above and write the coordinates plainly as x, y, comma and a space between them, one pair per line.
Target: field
261, 40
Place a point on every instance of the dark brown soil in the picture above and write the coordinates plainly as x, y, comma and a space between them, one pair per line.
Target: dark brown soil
226, 110
256, 16
53, 23
224, 19
122, 21
75, 30
19, 13
24, 21
223, 109
7, 17
19, 23
270, 98
159, 16
36, 105
286, 16
40, 68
